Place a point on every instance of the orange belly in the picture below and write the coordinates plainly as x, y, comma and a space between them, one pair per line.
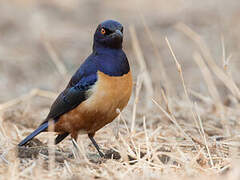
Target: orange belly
105, 97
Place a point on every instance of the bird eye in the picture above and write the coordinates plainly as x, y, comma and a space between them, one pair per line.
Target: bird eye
103, 31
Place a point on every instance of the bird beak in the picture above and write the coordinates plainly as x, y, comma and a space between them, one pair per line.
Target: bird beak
118, 33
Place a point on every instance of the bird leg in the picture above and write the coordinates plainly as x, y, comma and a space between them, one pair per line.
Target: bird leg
74, 141
95, 144
75, 145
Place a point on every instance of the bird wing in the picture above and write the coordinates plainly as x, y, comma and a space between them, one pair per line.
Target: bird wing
66, 101
75, 92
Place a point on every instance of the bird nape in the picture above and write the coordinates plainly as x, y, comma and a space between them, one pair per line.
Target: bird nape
101, 85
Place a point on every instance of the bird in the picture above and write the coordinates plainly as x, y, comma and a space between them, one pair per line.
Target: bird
100, 87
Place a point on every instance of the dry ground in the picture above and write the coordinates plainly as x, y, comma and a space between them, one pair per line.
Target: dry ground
182, 121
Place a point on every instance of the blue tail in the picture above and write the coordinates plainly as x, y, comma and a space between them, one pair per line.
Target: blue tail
40, 129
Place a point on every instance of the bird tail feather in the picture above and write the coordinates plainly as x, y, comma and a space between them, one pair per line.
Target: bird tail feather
40, 129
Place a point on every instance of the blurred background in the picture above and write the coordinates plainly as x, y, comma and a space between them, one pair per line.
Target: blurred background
35, 33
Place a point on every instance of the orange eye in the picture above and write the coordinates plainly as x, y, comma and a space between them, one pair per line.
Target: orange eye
103, 31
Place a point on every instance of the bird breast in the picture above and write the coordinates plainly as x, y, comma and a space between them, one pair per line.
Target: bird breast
109, 93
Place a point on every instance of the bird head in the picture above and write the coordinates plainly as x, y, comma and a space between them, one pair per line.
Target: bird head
109, 34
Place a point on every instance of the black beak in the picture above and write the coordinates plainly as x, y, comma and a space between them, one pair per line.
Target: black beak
118, 33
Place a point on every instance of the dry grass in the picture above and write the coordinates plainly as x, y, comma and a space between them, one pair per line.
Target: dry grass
164, 133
